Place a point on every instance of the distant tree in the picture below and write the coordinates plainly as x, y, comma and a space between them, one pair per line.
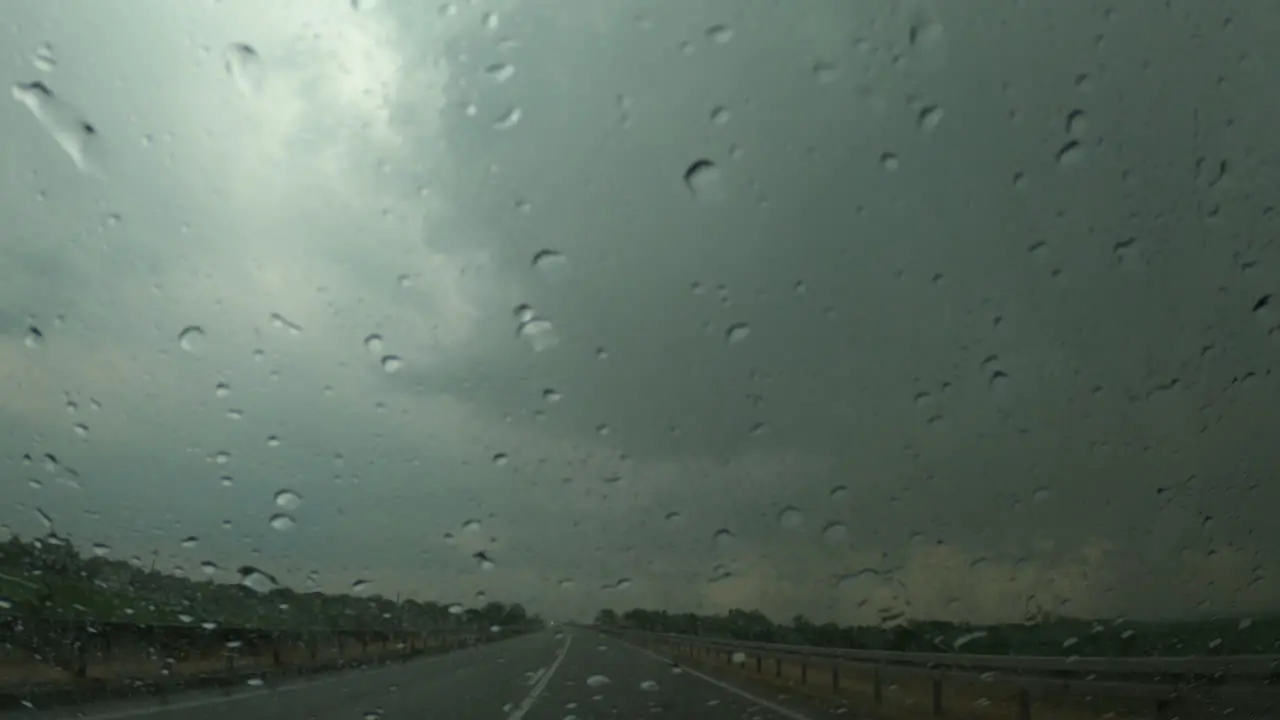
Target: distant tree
607, 617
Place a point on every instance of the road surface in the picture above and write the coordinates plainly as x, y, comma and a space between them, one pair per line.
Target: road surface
576, 674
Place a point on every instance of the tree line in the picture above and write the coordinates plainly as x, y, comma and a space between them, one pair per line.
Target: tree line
1043, 635
48, 577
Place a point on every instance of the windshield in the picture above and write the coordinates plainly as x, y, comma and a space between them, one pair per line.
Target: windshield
527, 329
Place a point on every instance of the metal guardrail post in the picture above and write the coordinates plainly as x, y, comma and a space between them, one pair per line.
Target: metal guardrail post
804, 671
937, 696
877, 687
1024, 704
835, 676
777, 667
759, 664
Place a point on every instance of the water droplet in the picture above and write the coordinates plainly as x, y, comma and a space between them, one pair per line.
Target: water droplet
649, 686
64, 123
254, 682
288, 500
925, 33
738, 658
1077, 123
34, 338
720, 115
508, 119
999, 381
391, 364
222, 457
889, 161
256, 580
857, 580
483, 561
736, 333
552, 395
551, 264
373, 343
720, 34
191, 338
360, 587
81, 430
44, 59
244, 65
189, 542
456, 609
500, 72
221, 390
824, 72
930, 117
596, 681
283, 323
501, 459
281, 521
538, 331
705, 181
273, 441
235, 414
602, 430
208, 568
1041, 494
1070, 154
791, 517
724, 538
835, 532
101, 550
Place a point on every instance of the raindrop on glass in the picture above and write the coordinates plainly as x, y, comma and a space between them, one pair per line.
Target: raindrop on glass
221, 390
1070, 154
244, 65
720, 34
736, 333
791, 517
373, 343
500, 72
256, 580
835, 532
64, 123
34, 338
191, 338
391, 364
281, 521
706, 181
930, 117
288, 500
44, 59
551, 264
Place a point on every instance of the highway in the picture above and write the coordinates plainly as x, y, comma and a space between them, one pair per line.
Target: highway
571, 675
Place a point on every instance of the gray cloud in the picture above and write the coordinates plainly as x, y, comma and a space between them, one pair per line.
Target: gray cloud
1046, 392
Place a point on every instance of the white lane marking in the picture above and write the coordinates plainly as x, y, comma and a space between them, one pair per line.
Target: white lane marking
783, 711
546, 678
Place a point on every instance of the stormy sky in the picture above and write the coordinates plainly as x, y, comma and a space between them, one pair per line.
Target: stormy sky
959, 310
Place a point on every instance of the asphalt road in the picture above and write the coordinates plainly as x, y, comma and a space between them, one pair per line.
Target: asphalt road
576, 674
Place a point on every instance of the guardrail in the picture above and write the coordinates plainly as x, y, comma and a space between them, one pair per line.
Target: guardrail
981, 686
